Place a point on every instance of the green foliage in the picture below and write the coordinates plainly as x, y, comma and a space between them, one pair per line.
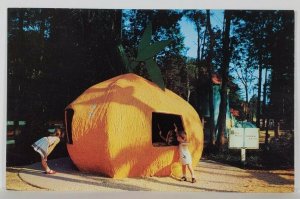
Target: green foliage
282, 148
280, 155
55, 54
265, 39
155, 73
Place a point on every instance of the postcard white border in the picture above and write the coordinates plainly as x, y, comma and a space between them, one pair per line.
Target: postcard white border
142, 4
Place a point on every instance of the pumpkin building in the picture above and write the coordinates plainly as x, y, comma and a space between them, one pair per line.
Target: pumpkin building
112, 129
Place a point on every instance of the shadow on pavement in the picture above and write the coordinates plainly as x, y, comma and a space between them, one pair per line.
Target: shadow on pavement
12, 170
186, 186
102, 183
272, 178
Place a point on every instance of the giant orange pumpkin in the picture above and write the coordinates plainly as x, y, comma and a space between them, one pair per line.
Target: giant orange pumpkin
110, 131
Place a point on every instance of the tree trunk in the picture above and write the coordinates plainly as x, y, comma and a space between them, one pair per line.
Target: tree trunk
203, 44
117, 25
188, 84
276, 128
246, 92
188, 95
210, 89
264, 108
246, 108
259, 93
20, 72
198, 44
267, 132
224, 70
42, 35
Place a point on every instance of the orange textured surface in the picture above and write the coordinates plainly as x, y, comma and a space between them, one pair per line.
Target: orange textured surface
112, 129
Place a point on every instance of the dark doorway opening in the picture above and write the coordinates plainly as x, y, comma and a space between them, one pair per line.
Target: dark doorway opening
163, 133
69, 116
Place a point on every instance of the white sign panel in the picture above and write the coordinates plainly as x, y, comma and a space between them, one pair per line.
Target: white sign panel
247, 138
236, 138
251, 138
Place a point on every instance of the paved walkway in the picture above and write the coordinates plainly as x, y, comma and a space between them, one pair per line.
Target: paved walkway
211, 177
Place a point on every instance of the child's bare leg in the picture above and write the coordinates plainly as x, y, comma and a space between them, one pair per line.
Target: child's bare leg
183, 178
45, 165
192, 172
184, 170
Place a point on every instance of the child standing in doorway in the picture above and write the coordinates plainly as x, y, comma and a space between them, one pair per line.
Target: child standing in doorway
45, 146
185, 156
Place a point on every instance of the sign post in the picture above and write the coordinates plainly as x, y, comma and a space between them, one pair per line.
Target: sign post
244, 138
243, 155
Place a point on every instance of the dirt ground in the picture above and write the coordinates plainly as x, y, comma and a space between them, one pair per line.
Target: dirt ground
211, 177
